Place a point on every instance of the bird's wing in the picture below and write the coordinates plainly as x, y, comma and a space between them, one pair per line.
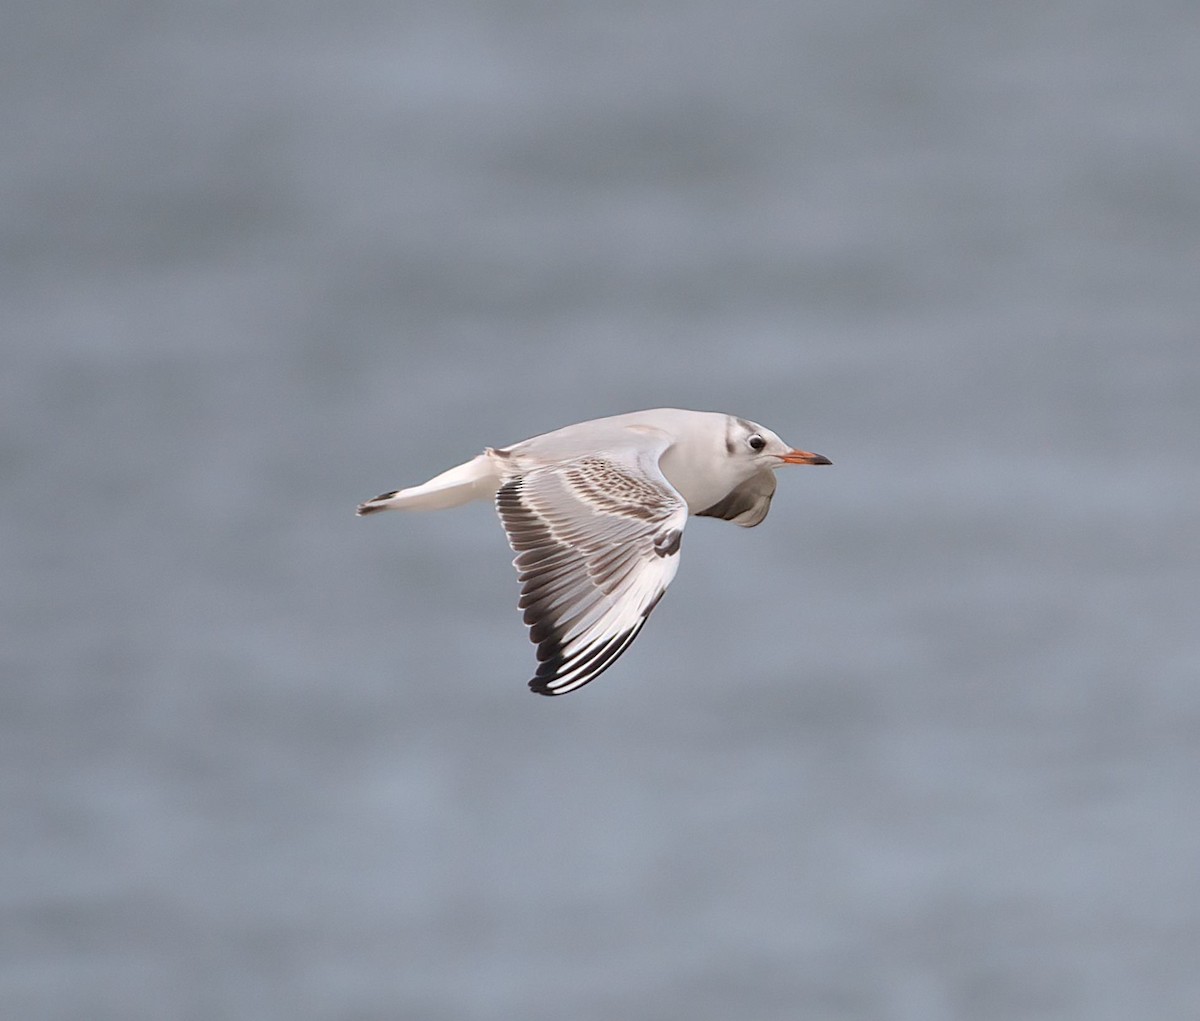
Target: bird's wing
597, 543
746, 505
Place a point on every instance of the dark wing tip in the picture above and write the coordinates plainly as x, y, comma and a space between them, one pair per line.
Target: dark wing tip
560, 674
539, 687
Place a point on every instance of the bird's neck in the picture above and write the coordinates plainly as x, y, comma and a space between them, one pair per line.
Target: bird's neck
694, 469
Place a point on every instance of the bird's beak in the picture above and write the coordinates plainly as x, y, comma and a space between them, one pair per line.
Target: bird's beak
803, 457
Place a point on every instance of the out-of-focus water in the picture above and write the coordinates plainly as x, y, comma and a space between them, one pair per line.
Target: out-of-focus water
922, 746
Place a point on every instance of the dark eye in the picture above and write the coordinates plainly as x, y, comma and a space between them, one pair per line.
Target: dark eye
756, 442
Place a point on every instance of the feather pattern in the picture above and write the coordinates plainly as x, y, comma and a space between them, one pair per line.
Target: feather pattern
597, 543
595, 514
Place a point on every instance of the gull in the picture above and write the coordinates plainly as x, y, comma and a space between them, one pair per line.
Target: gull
595, 513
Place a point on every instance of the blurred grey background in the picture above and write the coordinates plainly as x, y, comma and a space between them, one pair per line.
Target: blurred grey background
922, 746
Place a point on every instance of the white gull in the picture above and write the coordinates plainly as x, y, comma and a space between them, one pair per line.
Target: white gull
595, 513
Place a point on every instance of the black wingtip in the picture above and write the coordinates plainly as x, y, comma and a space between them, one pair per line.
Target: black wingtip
589, 664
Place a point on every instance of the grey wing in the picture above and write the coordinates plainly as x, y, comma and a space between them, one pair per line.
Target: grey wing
597, 543
746, 505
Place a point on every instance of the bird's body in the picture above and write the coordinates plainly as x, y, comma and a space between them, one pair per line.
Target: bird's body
595, 512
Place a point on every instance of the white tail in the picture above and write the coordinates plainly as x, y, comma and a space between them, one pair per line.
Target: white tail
475, 480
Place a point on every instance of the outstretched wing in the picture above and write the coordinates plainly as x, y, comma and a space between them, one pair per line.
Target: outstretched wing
597, 543
746, 505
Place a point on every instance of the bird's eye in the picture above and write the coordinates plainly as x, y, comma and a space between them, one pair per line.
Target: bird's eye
756, 442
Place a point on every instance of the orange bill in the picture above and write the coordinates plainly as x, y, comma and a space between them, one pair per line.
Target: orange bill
804, 457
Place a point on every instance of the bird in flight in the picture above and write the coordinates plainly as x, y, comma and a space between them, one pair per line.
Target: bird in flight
595, 513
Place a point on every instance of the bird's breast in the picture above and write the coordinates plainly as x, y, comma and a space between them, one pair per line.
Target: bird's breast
699, 479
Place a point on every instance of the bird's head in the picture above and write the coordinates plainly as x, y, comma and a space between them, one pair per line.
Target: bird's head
756, 447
